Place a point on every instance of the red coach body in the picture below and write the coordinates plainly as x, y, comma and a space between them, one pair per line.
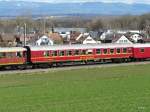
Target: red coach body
71, 53
141, 51
64, 53
12, 56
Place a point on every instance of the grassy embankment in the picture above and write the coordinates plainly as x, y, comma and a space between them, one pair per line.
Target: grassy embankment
114, 89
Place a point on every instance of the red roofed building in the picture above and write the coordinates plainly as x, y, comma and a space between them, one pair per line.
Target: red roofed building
56, 37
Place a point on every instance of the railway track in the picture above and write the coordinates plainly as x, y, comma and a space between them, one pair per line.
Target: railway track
71, 67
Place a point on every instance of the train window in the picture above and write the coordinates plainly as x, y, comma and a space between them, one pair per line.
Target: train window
24, 54
112, 51
46, 53
142, 50
2, 55
90, 51
10, 55
83, 52
98, 51
69, 53
54, 53
129, 50
18, 54
61, 53
124, 50
118, 50
105, 51
77, 52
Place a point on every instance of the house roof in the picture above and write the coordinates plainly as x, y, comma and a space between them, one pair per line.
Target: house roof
7, 37
146, 39
74, 35
55, 36
129, 34
82, 38
29, 37
116, 37
109, 37
95, 34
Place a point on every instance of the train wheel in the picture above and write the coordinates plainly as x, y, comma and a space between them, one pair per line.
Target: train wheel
2, 68
21, 67
59, 64
8, 67
123, 60
50, 65
85, 62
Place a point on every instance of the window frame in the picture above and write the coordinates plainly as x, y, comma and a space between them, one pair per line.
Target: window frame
61, 53
89, 52
100, 51
54, 52
46, 53
11, 54
129, 50
126, 50
3, 55
142, 50
105, 52
69, 52
83, 53
113, 50
117, 50
75, 53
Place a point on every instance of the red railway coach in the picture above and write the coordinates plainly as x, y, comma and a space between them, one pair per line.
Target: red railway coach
70, 53
12, 56
20, 57
141, 51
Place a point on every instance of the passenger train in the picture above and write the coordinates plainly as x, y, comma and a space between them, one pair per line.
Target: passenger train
60, 54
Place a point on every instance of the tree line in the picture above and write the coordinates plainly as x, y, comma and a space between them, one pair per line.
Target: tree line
126, 22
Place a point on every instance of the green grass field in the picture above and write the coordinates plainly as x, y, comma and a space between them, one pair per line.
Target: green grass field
113, 89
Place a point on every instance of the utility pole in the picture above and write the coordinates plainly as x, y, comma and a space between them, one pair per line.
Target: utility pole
25, 32
44, 25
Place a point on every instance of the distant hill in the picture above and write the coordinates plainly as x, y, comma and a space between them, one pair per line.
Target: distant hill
17, 8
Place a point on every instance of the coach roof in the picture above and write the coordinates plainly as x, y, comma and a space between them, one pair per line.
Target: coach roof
141, 45
12, 49
79, 46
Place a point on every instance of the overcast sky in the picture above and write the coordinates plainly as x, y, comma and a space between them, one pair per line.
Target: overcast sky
110, 1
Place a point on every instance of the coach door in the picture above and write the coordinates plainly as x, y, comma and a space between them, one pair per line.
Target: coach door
27, 54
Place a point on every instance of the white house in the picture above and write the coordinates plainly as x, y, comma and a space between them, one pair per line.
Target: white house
44, 40
65, 34
82, 35
123, 40
104, 34
89, 40
136, 37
